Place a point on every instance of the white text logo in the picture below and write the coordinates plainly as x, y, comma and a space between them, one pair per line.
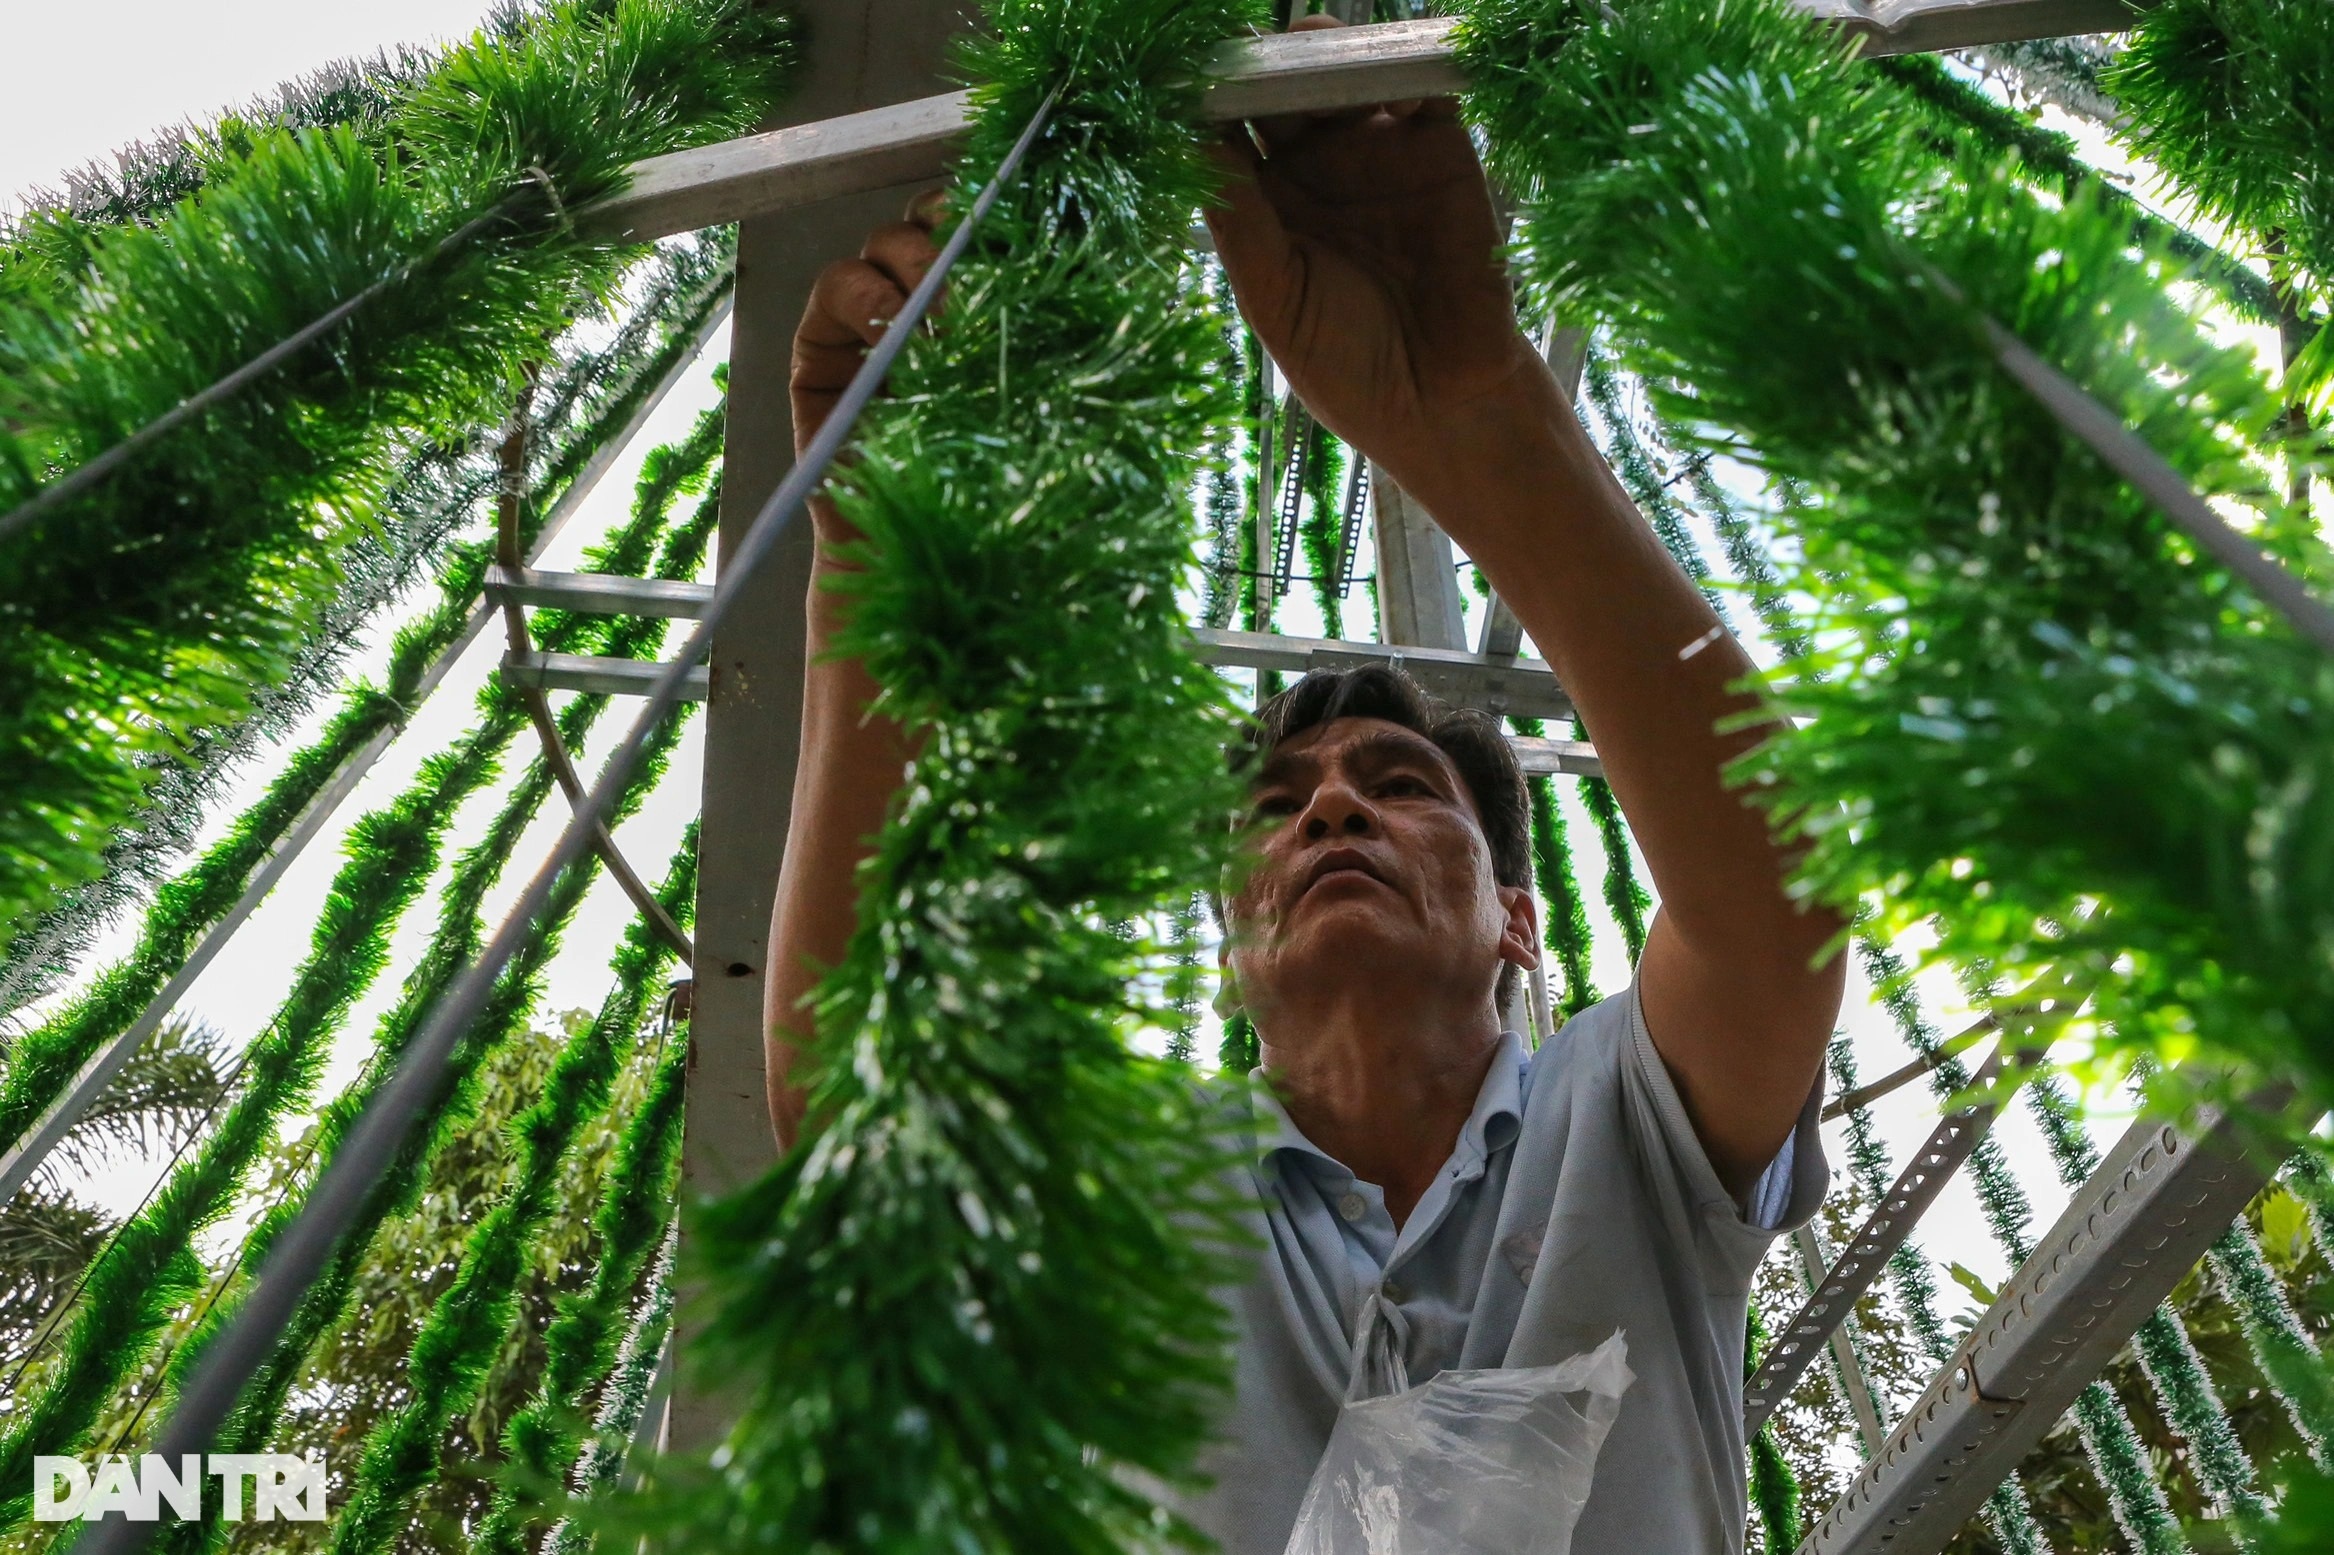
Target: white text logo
281, 1486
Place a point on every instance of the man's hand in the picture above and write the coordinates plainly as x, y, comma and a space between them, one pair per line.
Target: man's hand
851, 760
851, 304
1365, 254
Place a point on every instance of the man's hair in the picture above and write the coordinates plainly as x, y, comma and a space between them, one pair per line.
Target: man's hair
1471, 739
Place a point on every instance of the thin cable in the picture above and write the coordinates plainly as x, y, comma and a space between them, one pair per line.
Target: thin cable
218, 1381
2128, 455
226, 388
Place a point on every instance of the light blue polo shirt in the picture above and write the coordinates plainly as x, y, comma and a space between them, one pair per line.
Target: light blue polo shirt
1576, 1201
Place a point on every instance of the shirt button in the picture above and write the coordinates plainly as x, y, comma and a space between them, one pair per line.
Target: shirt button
1391, 1291
1353, 1206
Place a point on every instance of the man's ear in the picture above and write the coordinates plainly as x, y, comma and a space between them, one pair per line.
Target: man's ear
1519, 939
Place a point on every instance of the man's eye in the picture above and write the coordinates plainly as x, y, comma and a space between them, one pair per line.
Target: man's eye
1400, 787
1273, 807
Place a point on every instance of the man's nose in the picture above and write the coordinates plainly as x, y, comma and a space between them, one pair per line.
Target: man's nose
1337, 808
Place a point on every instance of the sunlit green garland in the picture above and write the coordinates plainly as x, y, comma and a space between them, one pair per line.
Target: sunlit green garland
465, 1328
580, 1347
459, 934
587, 393
978, 1295
1224, 584
146, 611
43, 1061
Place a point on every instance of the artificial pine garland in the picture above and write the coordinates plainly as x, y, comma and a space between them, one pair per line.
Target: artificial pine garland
1567, 932
586, 394
43, 1061
978, 1293
2230, 98
458, 936
146, 611
1324, 523
581, 1348
392, 852
2011, 631
465, 1329
623, 1405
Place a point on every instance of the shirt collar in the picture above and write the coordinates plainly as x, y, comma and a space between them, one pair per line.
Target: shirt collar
1493, 1124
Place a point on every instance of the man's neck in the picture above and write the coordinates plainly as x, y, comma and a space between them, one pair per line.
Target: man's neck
1385, 1091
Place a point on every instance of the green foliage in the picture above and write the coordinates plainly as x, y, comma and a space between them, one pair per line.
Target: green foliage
958, 1314
458, 937
581, 1345
1324, 522
2007, 632
457, 1345
583, 397
2235, 100
147, 611
45, 1059
1567, 932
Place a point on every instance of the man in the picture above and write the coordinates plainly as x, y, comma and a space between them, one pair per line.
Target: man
1433, 1198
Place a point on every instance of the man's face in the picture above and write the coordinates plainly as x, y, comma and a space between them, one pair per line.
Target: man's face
1370, 869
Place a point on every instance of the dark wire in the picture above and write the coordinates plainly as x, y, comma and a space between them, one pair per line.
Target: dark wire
241, 378
218, 1380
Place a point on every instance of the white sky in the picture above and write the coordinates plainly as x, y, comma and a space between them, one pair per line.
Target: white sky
83, 79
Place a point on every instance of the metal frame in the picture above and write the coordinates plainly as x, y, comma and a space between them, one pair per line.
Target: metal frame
910, 142
2133, 1231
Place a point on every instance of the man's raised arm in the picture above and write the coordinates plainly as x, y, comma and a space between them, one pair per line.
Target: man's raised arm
1363, 250
851, 764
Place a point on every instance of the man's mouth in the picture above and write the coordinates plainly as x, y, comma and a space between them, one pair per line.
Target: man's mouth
1340, 861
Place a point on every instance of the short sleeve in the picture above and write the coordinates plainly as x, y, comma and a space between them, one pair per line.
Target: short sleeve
1786, 1195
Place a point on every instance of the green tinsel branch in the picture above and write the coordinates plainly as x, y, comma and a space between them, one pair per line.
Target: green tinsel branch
2010, 630
581, 1348
465, 1328
1625, 896
2052, 158
2229, 98
1226, 587
1184, 979
391, 853
132, 1290
43, 1061
623, 1405
148, 610
1646, 484
2289, 1359
1324, 522
1567, 934
959, 1313
584, 396
1774, 1488
2167, 1356
513, 998
459, 934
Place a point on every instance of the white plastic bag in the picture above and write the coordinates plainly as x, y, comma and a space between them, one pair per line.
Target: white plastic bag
1472, 1463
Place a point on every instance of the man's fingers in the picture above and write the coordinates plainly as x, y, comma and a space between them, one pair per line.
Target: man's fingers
928, 209
903, 251
850, 304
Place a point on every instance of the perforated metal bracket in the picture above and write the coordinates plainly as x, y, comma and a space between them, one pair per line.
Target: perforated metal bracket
1798, 1344
2132, 1232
